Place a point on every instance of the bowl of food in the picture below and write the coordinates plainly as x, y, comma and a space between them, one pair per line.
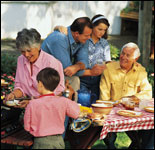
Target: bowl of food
102, 108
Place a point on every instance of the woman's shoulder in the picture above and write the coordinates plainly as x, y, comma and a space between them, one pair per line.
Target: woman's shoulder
104, 41
21, 59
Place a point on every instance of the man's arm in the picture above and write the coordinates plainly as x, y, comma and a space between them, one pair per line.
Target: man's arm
57, 45
145, 89
81, 57
71, 70
105, 86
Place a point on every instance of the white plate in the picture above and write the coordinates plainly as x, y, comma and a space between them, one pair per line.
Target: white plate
12, 102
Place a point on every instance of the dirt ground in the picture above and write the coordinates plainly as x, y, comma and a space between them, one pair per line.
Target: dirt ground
116, 40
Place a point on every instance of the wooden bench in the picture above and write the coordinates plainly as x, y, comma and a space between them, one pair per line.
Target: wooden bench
86, 138
20, 138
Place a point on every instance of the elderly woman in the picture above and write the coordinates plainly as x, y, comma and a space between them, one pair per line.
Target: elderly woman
32, 60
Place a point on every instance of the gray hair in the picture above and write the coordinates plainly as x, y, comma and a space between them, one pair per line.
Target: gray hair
136, 49
28, 38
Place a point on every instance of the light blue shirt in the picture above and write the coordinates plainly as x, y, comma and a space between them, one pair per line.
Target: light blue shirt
64, 48
98, 51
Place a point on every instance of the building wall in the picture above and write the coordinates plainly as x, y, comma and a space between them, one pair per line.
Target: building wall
45, 15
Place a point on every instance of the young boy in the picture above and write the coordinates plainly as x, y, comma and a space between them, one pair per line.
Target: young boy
44, 117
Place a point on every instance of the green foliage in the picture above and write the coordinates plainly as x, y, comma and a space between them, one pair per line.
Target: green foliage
115, 52
134, 8
8, 63
122, 142
150, 71
10, 79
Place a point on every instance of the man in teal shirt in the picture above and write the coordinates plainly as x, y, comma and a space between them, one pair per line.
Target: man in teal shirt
70, 49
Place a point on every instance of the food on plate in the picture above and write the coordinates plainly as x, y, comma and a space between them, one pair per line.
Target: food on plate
94, 115
149, 109
129, 113
12, 102
86, 109
126, 100
136, 100
97, 118
130, 105
98, 122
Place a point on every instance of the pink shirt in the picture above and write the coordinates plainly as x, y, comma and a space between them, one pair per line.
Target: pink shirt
27, 83
46, 115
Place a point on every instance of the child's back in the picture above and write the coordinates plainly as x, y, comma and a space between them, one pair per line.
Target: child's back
46, 115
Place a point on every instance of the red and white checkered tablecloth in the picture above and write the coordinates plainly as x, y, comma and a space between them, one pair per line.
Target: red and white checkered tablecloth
117, 123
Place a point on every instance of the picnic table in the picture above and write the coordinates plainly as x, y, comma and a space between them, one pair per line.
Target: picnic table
117, 123
113, 123
85, 139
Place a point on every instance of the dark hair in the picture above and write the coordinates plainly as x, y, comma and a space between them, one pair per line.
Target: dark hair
103, 20
49, 77
80, 23
28, 38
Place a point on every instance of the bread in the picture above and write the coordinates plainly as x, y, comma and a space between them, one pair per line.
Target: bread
133, 99
129, 113
149, 109
136, 100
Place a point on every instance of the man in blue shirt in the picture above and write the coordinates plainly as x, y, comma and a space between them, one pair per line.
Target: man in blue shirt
71, 49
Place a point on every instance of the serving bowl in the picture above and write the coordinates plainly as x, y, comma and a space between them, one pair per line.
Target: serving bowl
114, 103
104, 102
102, 108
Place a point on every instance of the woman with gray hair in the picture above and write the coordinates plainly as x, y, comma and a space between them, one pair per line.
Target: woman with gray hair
32, 60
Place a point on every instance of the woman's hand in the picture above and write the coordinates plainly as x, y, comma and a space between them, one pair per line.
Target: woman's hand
17, 93
61, 29
10, 96
22, 104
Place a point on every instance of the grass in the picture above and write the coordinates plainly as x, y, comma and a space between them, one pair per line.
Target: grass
122, 142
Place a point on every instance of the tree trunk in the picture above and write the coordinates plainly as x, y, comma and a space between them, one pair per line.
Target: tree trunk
144, 31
